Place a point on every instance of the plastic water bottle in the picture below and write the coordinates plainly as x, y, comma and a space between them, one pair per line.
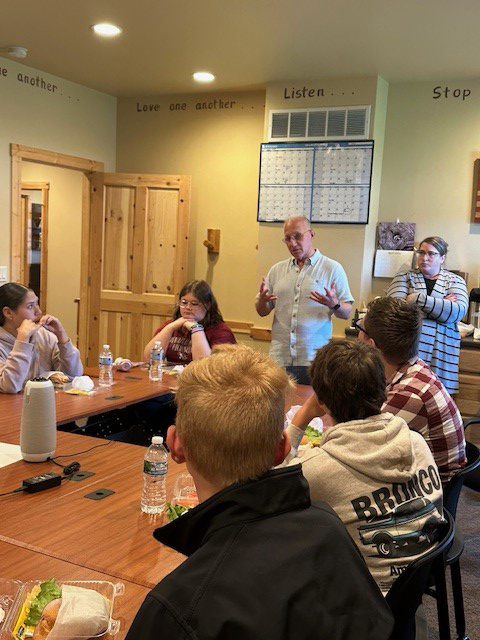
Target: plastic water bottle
105, 367
156, 362
155, 467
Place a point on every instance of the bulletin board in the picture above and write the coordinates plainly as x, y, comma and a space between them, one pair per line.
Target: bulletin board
327, 182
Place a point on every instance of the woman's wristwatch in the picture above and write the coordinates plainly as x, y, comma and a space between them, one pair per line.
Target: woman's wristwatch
196, 326
337, 306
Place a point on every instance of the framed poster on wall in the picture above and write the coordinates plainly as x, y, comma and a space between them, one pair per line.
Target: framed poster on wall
326, 182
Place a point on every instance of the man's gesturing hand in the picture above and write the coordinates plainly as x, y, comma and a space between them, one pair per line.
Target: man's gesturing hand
265, 299
265, 293
329, 299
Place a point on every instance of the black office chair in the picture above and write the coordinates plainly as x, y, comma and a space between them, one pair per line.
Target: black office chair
406, 593
451, 494
472, 479
451, 491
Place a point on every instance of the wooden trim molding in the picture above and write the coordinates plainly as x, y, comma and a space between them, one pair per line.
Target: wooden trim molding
43, 156
239, 326
259, 333
16, 227
146, 180
35, 185
82, 311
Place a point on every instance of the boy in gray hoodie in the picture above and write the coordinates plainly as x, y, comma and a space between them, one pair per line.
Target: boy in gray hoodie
377, 474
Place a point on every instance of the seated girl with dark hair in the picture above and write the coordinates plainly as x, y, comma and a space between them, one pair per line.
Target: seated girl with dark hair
197, 326
31, 343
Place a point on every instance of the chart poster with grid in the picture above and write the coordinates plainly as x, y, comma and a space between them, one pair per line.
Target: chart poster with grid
323, 181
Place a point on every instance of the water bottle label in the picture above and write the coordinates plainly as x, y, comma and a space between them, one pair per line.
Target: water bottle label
105, 360
157, 356
155, 468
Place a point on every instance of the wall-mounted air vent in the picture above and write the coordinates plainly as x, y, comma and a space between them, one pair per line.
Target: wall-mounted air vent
332, 123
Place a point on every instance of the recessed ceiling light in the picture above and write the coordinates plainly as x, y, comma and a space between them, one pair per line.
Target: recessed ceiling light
17, 52
203, 76
106, 29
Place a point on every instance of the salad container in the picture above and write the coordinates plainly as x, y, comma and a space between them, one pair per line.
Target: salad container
13, 594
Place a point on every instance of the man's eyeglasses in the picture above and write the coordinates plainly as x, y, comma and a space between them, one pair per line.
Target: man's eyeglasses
431, 254
357, 325
295, 236
186, 303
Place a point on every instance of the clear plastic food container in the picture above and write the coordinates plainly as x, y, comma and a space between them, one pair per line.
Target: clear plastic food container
107, 589
9, 590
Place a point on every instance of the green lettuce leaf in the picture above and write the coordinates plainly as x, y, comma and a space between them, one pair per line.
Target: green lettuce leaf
49, 591
311, 432
174, 511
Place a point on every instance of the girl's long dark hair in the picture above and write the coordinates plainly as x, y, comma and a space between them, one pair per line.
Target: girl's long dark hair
12, 295
202, 291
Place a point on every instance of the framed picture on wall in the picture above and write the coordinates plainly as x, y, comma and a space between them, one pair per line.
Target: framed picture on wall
327, 182
476, 191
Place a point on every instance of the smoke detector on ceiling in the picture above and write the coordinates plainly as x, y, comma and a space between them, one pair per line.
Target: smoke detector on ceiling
17, 52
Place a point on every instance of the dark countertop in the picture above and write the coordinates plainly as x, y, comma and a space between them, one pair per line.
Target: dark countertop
470, 343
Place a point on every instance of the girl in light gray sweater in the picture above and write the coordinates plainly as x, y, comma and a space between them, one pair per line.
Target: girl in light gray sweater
31, 343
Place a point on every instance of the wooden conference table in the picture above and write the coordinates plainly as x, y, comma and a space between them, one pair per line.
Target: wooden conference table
62, 533
110, 535
129, 387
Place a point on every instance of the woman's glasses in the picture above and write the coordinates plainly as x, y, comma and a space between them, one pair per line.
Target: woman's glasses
192, 305
431, 254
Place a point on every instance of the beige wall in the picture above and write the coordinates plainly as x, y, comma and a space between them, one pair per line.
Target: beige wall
220, 149
378, 134
424, 172
348, 244
64, 233
430, 147
68, 118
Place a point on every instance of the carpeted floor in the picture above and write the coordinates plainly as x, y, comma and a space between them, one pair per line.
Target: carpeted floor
468, 519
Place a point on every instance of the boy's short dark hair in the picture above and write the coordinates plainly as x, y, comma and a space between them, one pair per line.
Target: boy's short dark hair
395, 325
348, 376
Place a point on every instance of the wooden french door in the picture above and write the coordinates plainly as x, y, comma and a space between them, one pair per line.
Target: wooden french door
137, 259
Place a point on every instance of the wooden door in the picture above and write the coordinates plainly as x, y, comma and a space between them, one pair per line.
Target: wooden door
137, 258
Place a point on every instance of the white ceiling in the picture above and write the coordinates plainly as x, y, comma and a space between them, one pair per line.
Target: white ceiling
246, 43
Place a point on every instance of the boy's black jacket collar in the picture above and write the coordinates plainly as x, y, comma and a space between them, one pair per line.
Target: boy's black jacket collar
236, 504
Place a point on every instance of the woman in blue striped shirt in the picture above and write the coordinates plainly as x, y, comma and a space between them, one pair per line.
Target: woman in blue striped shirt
443, 298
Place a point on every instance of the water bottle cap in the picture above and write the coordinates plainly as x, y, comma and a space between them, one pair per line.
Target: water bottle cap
106, 346
157, 440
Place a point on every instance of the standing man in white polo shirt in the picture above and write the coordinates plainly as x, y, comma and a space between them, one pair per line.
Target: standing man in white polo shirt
306, 291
